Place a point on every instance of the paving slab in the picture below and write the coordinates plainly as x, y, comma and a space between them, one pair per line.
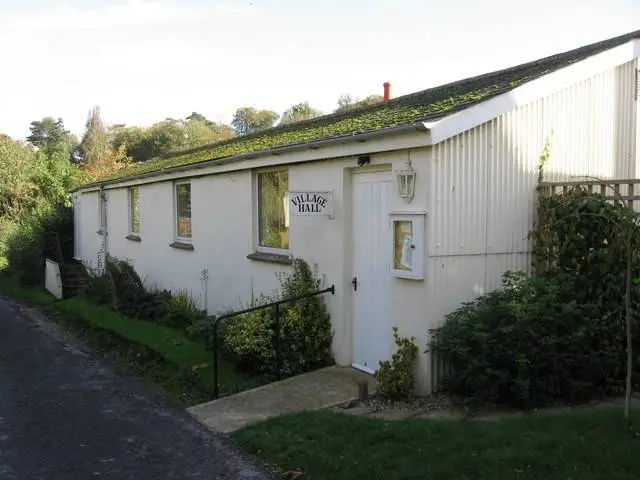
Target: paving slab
322, 388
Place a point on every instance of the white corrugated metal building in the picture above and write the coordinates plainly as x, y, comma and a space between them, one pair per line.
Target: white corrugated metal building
221, 220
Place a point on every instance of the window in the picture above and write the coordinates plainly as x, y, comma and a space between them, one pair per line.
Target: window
183, 211
273, 209
134, 210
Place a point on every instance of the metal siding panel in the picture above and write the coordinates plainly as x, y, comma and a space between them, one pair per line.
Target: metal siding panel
455, 279
459, 195
484, 179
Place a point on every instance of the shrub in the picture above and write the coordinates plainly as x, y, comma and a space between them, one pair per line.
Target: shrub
531, 343
128, 289
583, 234
183, 311
99, 288
396, 376
25, 245
305, 327
120, 286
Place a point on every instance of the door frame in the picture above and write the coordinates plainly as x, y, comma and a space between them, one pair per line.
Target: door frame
349, 307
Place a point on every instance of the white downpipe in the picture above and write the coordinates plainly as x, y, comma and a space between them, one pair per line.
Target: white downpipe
104, 226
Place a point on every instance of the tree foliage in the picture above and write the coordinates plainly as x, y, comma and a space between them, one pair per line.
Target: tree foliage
348, 102
248, 120
141, 144
97, 155
299, 111
34, 195
51, 137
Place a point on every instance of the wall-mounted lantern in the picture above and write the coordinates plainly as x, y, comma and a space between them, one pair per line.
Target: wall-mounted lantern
406, 181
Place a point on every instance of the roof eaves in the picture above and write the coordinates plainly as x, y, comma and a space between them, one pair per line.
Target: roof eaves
313, 145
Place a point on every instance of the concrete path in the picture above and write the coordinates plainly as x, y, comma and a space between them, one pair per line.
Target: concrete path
65, 415
320, 389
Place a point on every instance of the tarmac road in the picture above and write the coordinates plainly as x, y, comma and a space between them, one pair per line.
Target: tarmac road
65, 414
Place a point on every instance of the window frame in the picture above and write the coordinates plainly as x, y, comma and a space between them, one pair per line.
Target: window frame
177, 237
131, 206
256, 210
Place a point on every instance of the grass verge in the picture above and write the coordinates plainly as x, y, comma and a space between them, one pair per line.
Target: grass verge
171, 344
11, 288
325, 445
181, 367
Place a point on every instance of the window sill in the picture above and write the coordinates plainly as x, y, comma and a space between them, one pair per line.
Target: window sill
270, 257
133, 238
181, 245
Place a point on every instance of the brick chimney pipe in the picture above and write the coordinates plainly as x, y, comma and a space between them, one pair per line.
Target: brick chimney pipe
387, 91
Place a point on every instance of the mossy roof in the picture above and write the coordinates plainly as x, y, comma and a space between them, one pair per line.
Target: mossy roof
425, 105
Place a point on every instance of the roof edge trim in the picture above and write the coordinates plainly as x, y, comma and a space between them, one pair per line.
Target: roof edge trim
486, 111
275, 152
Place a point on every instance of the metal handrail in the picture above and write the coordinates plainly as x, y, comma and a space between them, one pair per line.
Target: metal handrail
276, 307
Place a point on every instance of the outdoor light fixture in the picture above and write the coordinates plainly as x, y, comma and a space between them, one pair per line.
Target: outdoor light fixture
406, 181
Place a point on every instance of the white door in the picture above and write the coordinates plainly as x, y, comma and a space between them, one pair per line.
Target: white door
371, 286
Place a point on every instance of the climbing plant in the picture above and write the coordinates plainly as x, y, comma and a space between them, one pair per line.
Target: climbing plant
598, 241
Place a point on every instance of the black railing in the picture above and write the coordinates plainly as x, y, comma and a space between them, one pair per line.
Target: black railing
276, 337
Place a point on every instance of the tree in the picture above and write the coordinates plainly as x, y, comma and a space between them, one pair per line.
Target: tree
141, 144
18, 191
199, 117
201, 132
298, 112
248, 120
132, 139
347, 102
95, 141
51, 137
96, 154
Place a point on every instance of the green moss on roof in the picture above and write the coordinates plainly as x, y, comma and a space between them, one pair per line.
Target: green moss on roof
426, 105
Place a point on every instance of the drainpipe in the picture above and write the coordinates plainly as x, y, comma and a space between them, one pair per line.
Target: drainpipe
105, 230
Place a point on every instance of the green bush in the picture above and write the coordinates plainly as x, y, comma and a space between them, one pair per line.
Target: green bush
183, 312
396, 376
305, 328
99, 288
25, 245
583, 234
119, 286
128, 289
531, 343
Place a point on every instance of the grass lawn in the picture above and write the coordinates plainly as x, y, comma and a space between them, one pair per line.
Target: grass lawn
163, 355
173, 345
585, 445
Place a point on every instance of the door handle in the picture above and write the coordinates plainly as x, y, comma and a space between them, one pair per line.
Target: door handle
354, 282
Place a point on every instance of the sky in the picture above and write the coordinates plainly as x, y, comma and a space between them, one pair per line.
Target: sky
142, 61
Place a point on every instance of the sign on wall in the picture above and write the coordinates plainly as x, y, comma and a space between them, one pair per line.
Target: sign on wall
311, 203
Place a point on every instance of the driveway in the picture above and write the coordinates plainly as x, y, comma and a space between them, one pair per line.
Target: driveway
67, 415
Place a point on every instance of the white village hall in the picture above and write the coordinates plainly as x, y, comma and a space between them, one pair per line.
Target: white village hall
409, 207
